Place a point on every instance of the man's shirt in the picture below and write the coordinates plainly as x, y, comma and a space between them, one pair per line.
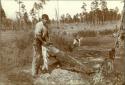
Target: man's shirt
41, 32
40, 29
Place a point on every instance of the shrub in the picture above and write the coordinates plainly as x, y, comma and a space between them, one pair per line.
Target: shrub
87, 33
106, 32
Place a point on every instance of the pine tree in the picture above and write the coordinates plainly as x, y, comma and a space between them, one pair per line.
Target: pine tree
103, 4
2, 14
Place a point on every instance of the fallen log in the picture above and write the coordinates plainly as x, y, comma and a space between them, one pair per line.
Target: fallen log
64, 59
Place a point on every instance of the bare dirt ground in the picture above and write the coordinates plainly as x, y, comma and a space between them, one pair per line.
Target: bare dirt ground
15, 58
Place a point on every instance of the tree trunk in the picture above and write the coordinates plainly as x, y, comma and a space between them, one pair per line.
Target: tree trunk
123, 17
65, 59
2, 13
123, 24
123, 31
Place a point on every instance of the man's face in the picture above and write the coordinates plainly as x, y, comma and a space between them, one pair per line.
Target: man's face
45, 20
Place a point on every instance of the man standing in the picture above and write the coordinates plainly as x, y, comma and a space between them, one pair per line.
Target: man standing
40, 38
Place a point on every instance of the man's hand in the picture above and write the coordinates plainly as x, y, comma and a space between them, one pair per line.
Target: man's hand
47, 43
44, 41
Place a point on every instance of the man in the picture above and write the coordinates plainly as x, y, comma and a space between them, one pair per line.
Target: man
40, 38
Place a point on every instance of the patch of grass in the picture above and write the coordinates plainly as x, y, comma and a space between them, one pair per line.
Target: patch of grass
17, 52
87, 33
61, 42
20, 78
24, 46
107, 32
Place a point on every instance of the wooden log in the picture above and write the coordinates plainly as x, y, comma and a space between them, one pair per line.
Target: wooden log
52, 60
67, 59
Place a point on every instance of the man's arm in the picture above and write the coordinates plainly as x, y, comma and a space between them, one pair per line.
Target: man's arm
40, 38
45, 34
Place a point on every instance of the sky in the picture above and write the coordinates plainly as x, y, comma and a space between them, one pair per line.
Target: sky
64, 6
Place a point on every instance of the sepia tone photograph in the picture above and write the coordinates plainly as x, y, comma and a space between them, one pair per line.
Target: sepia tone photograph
62, 42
